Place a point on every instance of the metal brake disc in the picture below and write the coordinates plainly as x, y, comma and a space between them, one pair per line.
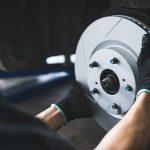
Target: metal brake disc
106, 67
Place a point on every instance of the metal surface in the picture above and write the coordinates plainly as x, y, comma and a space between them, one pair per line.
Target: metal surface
108, 38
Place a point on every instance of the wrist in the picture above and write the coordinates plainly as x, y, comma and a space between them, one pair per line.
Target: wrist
144, 102
146, 91
52, 117
61, 112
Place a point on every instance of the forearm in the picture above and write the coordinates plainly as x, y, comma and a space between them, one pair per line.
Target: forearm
133, 132
52, 117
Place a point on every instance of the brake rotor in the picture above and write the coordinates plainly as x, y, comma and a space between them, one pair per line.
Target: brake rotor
106, 67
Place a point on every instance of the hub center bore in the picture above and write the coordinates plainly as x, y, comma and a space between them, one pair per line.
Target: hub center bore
109, 81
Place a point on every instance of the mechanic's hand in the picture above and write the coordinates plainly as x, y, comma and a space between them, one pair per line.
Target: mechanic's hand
75, 104
144, 65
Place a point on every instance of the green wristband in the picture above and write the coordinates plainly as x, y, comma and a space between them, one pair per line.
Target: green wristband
61, 111
142, 91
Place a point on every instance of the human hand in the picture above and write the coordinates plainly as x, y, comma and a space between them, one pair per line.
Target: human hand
144, 65
74, 105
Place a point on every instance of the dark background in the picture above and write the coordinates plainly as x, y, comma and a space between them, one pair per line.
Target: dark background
32, 30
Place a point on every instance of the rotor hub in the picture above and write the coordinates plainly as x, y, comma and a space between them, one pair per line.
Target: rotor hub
112, 79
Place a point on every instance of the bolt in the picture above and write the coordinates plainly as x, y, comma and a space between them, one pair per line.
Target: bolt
95, 91
93, 64
114, 61
116, 107
128, 88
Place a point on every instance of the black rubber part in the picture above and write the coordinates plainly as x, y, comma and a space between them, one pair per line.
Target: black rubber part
139, 14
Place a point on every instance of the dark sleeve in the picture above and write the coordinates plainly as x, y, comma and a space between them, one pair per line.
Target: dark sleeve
20, 131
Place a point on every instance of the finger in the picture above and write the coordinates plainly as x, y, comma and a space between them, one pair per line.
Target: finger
146, 40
